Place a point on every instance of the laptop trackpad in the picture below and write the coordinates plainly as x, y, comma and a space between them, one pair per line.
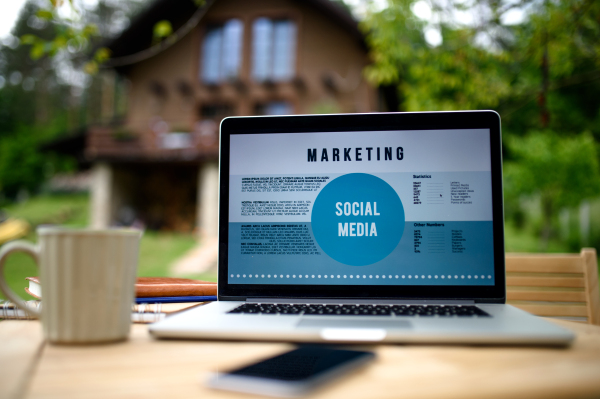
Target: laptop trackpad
353, 330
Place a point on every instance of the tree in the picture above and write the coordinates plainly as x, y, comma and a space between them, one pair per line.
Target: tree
560, 170
540, 73
30, 108
456, 74
555, 57
40, 99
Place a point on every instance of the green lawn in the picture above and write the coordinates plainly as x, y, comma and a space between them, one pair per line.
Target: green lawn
70, 210
157, 249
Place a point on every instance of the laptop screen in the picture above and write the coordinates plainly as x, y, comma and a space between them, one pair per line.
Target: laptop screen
361, 208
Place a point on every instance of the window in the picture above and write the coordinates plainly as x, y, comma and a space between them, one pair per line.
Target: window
222, 52
273, 49
274, 108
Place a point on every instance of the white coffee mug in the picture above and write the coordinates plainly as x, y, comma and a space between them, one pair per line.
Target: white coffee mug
87, 279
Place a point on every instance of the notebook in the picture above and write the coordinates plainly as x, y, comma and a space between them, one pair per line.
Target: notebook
362, 228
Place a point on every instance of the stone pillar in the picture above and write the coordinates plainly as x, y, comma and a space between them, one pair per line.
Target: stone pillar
208, 200
101, 206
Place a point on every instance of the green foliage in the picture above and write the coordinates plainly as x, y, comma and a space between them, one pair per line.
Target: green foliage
39, 106
84, 33
505, 71
465, 77
65, 32
568, 32
454, 75
561, 170
162, 29
100, 56
80, 33
393, 36
574, 237
21, 165
527, 240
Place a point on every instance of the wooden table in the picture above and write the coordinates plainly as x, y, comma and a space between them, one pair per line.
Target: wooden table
146, 368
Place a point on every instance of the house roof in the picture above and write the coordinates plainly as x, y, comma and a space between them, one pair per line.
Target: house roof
138, 36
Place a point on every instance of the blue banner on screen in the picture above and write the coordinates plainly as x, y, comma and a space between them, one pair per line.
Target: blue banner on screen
361, 208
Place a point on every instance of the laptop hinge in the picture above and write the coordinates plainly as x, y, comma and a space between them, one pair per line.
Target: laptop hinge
364, 301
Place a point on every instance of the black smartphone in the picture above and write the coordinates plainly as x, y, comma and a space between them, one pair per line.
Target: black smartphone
293, 373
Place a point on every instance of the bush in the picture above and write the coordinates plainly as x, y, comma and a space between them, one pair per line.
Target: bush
560, 171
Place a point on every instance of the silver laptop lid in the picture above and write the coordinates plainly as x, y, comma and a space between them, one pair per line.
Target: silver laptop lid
401, 206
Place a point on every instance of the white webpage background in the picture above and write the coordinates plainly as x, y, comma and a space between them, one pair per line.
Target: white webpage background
423, 151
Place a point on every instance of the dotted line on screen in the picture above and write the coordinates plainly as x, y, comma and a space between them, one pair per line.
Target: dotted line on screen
367, 276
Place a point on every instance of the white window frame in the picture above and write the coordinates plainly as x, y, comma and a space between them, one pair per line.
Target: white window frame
274, 43
221, 52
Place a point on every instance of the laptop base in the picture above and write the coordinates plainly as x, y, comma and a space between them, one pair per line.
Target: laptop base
506, 326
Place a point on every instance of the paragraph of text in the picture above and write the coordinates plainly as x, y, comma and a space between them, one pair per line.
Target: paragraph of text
282, 184
277, 239
275, 208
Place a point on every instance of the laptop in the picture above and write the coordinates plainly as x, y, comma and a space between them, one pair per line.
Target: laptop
362, 228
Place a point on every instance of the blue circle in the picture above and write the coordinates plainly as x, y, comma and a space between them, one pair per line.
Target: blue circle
357, 219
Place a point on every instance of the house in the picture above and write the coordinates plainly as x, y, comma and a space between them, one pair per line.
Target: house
230, 57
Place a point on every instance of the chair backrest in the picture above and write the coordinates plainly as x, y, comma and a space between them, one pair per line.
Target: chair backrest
555, 285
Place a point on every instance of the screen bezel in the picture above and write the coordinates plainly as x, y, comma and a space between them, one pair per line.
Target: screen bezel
364, 122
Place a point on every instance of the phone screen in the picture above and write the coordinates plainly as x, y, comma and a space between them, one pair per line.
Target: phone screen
300, 364
293, 373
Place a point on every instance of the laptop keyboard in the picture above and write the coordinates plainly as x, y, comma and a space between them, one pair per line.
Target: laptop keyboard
362, 310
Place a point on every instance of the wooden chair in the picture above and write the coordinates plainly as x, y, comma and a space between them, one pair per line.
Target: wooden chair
555, 285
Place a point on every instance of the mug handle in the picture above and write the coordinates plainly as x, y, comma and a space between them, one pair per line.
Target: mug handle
31, 250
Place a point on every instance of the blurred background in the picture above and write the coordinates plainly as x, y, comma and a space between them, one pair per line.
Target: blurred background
109, 109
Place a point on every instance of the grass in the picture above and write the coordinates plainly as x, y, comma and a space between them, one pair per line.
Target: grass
19, 266
157, 249
67, 209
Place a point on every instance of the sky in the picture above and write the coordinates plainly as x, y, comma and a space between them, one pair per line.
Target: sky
9, 12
